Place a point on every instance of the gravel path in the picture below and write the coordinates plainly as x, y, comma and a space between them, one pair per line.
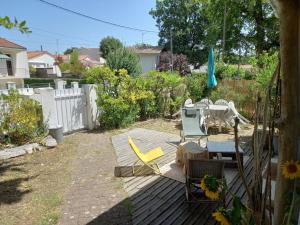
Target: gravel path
95, 196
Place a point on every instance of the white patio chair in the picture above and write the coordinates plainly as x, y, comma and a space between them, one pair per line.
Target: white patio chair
232, 113
221, 102
207, 101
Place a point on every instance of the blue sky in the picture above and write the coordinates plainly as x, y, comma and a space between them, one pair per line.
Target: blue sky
50, 25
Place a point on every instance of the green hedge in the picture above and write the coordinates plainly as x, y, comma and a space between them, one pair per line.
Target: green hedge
46, 82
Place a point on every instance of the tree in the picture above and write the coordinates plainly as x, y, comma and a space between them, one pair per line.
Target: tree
109, 44
289, 126
187, 26
232, 27
123, 58
69, 50
8, 24
180, 63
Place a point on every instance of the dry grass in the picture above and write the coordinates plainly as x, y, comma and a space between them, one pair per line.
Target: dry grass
163, 125
32, 187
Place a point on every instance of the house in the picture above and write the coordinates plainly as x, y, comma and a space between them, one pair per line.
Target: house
89, 57
13, 64
149, 57
44, 63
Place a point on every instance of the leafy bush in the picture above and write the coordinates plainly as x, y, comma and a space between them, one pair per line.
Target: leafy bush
229, 72
265, 66
117, 96
197, 86
123, 58
45, 82
169, 90
22, 121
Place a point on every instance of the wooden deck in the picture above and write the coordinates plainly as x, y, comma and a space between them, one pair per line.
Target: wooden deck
160, 200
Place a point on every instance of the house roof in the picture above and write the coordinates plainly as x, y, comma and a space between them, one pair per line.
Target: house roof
146, 50
8, 44
34, 54
92, 53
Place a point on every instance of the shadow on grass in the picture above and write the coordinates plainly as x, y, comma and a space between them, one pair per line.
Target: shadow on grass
11, 189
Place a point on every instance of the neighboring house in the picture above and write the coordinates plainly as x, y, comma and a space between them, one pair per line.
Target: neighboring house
13, 64
88, 62
89, 57
149, 57
45, 63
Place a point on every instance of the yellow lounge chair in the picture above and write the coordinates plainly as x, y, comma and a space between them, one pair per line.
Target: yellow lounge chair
146, 158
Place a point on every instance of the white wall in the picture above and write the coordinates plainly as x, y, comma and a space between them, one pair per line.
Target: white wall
148, 62
20, 65
42, 61
45, 61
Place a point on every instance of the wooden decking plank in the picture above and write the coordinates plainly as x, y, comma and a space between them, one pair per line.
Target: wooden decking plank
150, 200
147, 191
160, 205
172, 211
167, 209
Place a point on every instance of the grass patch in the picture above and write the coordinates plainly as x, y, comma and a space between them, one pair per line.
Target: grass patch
32, 186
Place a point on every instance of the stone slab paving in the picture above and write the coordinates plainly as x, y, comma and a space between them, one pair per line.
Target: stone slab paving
95, 195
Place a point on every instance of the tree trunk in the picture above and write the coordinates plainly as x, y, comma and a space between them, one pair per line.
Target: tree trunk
289, 124
260, 33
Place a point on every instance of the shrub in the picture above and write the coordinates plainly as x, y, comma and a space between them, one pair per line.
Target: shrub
197, 86
123, 58
118, 96
264, 66
22, 121
229, 72
169, 90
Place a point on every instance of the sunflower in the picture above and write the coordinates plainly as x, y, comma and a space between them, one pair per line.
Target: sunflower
213, 195
291, 169
202, 184
220, 218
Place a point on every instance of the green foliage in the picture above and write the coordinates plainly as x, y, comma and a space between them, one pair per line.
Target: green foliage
229, 72
117, 96
22, 121
188, 27
169, 90
123, 99
109, 44
265, 66
123, 58
197, 86
32, 70
8, 24
75, 67
69, 50
64, 67
45, 82
250, 26
74, 57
